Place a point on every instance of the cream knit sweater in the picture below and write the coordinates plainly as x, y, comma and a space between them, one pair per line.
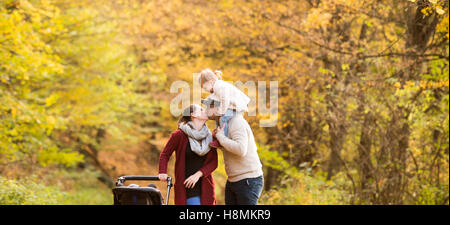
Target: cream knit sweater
240, 151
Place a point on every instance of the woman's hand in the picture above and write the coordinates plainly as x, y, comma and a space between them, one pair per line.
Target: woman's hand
162, 177
192, 180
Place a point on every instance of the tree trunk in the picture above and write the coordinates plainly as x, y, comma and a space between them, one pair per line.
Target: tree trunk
365, 164
335, 120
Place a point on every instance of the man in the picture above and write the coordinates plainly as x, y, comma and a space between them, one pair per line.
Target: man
242, 164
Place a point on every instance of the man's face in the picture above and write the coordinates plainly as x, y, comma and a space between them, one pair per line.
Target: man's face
211, 111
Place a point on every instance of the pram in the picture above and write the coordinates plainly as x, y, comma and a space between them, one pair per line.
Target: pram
135, 195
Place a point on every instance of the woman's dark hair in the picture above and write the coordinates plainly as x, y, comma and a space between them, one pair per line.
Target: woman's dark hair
186, 116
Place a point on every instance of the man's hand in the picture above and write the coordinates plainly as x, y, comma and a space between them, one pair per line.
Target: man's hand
220, 129
192, 180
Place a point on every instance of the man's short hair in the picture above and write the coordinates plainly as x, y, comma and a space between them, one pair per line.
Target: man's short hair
210, 102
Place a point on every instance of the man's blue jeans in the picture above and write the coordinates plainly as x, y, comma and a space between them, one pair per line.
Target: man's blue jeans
244, 192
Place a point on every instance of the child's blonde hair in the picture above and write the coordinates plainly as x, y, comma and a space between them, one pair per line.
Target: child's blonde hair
207, 75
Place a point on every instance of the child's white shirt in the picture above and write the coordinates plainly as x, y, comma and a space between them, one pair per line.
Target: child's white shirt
230, 97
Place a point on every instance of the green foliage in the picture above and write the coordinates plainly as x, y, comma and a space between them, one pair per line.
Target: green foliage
300, 186
28, 192
432, 195
63, 76
55, 156
303, 188
275, 161
63, 187
28, 66
82, 186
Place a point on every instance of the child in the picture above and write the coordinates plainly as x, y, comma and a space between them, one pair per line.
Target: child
231, 99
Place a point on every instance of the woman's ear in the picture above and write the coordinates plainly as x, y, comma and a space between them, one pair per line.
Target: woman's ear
193, 115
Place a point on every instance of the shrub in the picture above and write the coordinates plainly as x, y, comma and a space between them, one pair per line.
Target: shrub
28, 192
304, 189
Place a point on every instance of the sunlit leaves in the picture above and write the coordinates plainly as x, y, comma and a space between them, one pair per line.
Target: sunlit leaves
62, 71
70, 70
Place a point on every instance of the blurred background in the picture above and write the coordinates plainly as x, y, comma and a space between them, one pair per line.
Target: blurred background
363, 94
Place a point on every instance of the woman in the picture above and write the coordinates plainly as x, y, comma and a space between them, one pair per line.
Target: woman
195, 160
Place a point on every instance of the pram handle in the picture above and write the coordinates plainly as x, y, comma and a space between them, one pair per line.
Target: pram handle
122, 179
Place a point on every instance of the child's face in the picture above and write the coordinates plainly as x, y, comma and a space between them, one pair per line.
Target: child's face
208, 86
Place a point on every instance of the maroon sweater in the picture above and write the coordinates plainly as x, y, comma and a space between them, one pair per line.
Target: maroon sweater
177, 142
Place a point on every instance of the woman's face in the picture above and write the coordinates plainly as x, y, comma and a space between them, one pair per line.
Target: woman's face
199, 113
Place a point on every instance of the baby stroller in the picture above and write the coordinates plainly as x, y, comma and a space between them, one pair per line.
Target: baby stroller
135, 195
